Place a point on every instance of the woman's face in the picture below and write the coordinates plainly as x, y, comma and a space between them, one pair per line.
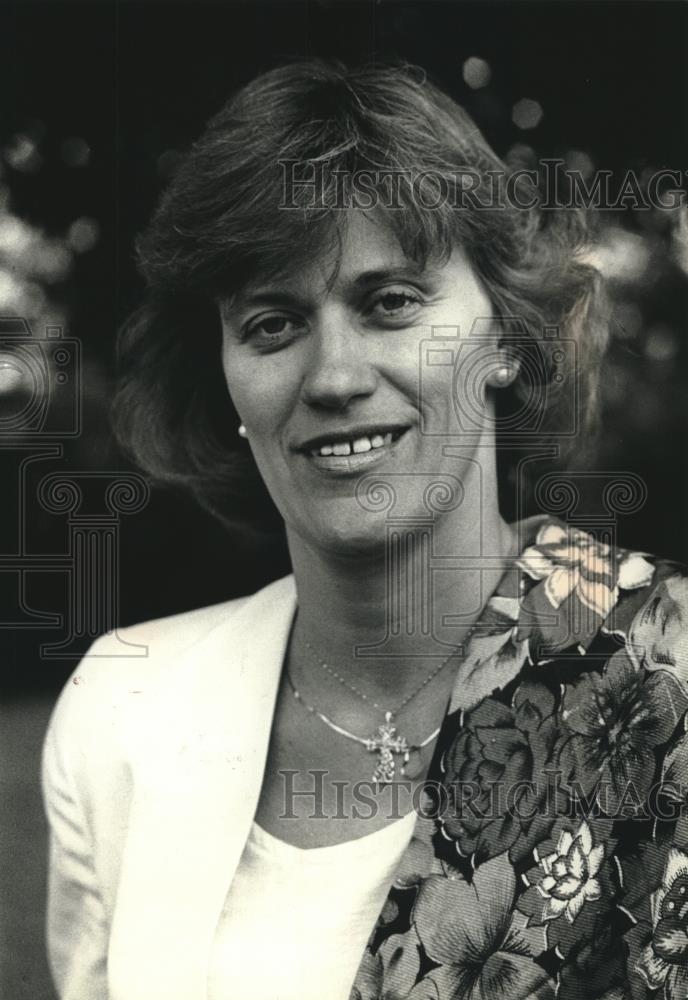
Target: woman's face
331, 382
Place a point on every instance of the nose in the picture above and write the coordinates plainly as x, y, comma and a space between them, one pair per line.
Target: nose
340, 367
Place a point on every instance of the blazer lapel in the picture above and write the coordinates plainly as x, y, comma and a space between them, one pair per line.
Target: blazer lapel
196, 791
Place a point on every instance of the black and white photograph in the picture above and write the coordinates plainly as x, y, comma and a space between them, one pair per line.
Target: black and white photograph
343, 549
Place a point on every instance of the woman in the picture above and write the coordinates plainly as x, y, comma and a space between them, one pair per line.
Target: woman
443, 758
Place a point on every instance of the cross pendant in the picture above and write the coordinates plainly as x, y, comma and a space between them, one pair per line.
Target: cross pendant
385, 743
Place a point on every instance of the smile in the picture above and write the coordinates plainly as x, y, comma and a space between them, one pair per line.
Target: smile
356, 446
358, 453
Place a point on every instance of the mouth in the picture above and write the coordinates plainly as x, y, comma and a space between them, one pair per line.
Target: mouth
352, 440
352, 450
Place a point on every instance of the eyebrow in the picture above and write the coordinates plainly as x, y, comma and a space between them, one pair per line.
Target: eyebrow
408, 270
362, 281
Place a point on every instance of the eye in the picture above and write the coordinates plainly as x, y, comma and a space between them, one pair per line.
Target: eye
395, 305
273, 330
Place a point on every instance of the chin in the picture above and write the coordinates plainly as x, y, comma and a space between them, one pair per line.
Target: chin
353, 534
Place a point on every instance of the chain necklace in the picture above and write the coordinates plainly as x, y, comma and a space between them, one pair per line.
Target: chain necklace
386, 742
364, 697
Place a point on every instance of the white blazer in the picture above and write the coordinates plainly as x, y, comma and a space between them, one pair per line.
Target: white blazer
152, 771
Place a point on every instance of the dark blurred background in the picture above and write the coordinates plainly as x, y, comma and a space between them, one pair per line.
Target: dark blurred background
97, 101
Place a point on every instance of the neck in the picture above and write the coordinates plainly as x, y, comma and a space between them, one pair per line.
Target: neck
396, 597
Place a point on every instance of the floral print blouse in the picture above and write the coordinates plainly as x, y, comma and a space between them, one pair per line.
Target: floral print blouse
552, 860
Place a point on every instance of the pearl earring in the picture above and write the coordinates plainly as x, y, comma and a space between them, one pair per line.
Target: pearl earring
505, 375
242, 431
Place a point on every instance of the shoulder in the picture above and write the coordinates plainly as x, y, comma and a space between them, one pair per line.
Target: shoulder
119, 684
586, 730
148, 647
600, 589
143, 652
166, 636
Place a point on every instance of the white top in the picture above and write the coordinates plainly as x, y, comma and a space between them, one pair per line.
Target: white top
296, 921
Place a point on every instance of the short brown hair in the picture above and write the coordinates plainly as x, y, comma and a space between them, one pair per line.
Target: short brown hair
219, 224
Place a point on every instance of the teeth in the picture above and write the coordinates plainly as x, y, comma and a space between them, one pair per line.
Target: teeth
362, 444
357, 447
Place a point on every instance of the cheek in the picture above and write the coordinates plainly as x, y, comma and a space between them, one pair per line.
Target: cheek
453, 393
437, 402
240, 396
259, 396
238, 373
